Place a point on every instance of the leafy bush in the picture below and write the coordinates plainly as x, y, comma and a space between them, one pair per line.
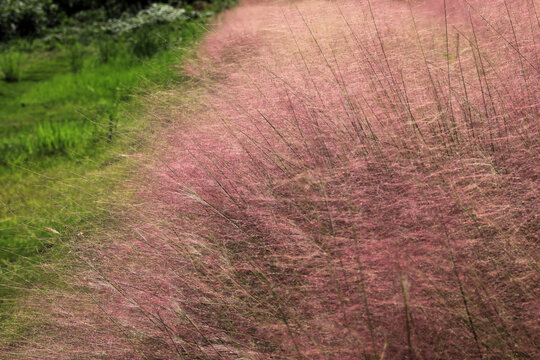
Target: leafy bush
155, 14
220, 5
25, 17
29, 18
10, 63
112, 7
91, 16
58, 20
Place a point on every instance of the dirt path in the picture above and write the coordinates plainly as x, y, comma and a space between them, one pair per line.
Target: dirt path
316, 194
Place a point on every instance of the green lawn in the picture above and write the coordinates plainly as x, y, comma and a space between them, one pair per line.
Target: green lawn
62, 133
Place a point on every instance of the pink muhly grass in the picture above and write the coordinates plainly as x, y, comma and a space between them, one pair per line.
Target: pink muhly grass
361, 182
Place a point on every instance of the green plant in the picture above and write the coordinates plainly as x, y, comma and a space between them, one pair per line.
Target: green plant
76, 57
107, 49
220, 5
24, 18
145, 44
155, 14
10, 63
60, 124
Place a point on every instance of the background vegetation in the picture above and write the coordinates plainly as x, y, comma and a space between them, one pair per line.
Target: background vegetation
35, 18
70, 76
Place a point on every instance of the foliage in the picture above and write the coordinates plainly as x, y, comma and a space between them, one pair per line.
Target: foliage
10, 64
108, 49
112, 7
25, 17
56, 123
145, 44
220, 5
76, 57
66, 115
36, 18
155, 14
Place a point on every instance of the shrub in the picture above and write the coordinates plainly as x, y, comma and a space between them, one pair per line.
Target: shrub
220, 5
24, 18
155, 14
112, 7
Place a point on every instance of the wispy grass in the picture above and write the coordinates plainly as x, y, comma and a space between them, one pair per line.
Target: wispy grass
347, 180
356, 182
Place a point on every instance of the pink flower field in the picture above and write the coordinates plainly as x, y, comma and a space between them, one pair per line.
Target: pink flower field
347, 179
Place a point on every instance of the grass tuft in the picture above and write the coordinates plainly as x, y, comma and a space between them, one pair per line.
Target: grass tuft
10, 64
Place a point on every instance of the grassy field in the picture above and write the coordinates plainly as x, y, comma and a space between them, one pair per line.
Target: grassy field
65, 125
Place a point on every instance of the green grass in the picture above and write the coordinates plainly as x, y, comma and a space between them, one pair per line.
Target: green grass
60, 108
62, 131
